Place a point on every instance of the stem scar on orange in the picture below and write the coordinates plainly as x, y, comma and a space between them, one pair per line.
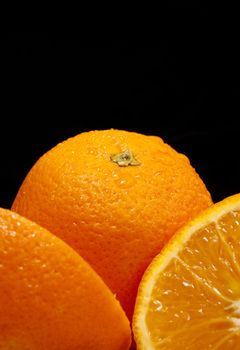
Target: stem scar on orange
50, 298
116, 197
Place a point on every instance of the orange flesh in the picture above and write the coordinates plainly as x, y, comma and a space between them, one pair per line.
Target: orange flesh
195, 303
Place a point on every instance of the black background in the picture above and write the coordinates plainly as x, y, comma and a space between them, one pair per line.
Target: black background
181, 84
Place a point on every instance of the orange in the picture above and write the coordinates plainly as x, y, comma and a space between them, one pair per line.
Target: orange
116, 197
189, 297
50, 298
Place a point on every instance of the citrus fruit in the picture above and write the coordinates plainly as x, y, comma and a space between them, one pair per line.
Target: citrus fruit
50, 298
189, 296
116, 197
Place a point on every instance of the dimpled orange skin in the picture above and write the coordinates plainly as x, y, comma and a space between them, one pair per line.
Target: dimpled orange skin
50, 298
118, 218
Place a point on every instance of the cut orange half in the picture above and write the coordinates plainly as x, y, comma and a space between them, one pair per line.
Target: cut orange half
189, 297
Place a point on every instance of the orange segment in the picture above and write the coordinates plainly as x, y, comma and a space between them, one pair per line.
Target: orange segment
189, 297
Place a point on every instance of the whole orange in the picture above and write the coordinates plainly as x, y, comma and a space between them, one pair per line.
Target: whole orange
50, 298
116, 197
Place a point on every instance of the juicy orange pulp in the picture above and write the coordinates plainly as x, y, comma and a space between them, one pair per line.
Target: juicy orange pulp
192, 291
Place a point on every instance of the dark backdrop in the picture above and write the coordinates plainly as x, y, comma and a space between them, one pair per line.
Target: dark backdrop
181, 85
